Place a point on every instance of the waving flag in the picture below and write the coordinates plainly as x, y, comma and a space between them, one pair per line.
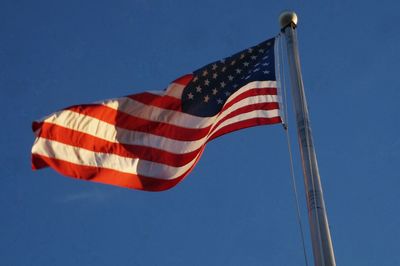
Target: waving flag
152, 140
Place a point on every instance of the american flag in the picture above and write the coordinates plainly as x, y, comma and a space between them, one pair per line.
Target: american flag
152, 140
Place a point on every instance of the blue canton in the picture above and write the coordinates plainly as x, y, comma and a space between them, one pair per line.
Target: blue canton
212, 84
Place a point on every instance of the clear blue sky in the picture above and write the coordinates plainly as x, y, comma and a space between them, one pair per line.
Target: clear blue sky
236, 207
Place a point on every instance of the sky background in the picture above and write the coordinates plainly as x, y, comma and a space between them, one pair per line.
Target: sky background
237, 206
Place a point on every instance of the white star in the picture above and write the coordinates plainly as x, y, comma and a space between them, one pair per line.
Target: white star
205, 72
233, 62
230, 77
206, 98
246, 63
265, 57
198, 89
242, 56
215, 75
255, 70
250, 50
219, 101
206, 82
254, 57
235, 86
265, 64
214, 91
266, 72
223, 84
214, 66
223, 69
269, 43
190, 96
222, 61
227, 93
261, 50
195, 79
238, 70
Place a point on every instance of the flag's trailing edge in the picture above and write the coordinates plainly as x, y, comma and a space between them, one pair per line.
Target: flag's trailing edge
152, 140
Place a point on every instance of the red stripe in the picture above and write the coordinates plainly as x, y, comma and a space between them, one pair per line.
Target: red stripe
126, 121
172, 103
250, 93
184, 80
106, 176
92, 143
245, 124
246, 109
165, 101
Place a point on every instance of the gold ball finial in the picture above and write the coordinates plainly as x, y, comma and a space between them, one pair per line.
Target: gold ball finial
287, 18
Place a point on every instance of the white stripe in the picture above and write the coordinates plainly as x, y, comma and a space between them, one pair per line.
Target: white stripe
175, 90
80, 156
246, 116
253, 85
245, 102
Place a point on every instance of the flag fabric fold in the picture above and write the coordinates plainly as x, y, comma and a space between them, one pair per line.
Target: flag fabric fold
152, 140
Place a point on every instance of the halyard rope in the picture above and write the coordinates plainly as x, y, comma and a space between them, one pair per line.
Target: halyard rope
286, 128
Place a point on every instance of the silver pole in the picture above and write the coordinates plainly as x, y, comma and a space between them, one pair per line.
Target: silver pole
318, 220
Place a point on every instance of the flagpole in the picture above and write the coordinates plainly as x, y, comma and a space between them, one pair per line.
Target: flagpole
318, 220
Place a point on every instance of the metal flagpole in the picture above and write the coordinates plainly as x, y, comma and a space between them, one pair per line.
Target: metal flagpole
318, 220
